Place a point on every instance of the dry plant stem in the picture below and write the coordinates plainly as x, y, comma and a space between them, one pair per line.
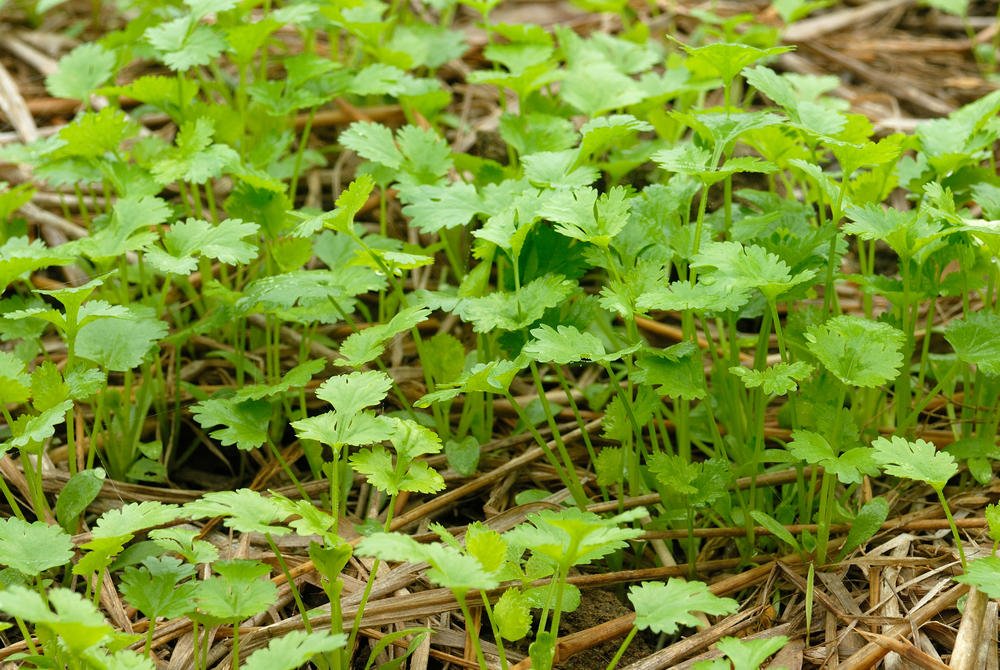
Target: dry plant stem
872, 653
971, 639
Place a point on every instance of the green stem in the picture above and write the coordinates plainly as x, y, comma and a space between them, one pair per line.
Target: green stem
951, 523
291, 583
621, 650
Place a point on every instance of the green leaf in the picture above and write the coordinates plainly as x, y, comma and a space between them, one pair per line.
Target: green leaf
243, 510
372, 141
184, 541
606, 132
186, 241
368, 344
984, 574
15, 382
337, 429
572, 537
18, 256
512, 613
583, 215
76, 623
661, 607
158, 588
293, 650
29, 432
919, 460
352, 392
492, 377
120, 344
675, 371
195, 158
849, 467
736, 267
128, 228
81, 490
244, 423
183, 43
133, 517
516, 309
410, 440
868, 521
858, 351
348, 204
750, 654
974, 339
33, 548
992, 514
463, 455
432, 208
240, 590
563, 345
81, 71
726, 59
94, 134
778, 379
775, 528
450, 567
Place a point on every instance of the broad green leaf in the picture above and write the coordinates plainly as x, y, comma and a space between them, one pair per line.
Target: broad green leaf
76, 623
463, 455
515, 309
493, 377
737, 267
778, 379
18, 256
95, 134
244, 422
849, 467
353, 392
81, 490
726, 59
984, 574
128, 228
133, 517
120, 344
372, 141
749, 654
919, 460
868, 521
572, 537
450, 567
185, 542
159, 588
239, 591
563, 344
337, 428
974, 339
682, 296
81, 71
366, 345
33, 548
195, 158
293, 650
243, 510
512, 614
858, 351
185, 241
432, 208
583, 215
183, 43
558, 170
29, 432
348, 204
676, 371
15, 382
607, 132
661, 607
